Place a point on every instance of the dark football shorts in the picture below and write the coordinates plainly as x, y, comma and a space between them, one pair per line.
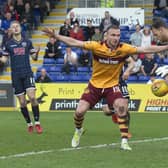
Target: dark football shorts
124, 90
93, 95
21, 82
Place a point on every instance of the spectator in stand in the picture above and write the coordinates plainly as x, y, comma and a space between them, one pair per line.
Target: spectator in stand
147, 38
44, 9
65, 29
85, 58
107, 21
7, 6
44, 77
97, 35
89, 30
6, 37
162, 7
76, 32
136, 37
19, 7
137, 65
70, 60
53, 49
72, 18
6, 22
28, 16
149, 65
13, 12
36, 13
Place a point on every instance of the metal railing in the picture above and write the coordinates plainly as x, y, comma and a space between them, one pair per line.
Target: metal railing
107, 3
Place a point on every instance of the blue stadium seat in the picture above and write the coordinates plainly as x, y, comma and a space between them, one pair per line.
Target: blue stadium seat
81, 77
75, 78
157, 13
125, 34
55, 69
49, 61
83, 69
124, 28
86, 77
47, 67
60, 77
132, 78
143, 78
60, 61
165, 61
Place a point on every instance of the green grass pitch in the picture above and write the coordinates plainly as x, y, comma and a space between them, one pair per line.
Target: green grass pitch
52, 149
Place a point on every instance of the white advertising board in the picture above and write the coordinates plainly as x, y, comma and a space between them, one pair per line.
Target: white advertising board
126, 16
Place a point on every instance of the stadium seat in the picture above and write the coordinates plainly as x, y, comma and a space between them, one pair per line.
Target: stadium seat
165, 61
143, 78
47, 67
75, 78
55, 69
81, 77
125, 35
132, 78
157, 13
124, 28
83, 69
49, 61
60, 77
60, 61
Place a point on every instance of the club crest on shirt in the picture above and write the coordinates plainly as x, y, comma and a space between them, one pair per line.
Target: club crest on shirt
118, 53
24, 44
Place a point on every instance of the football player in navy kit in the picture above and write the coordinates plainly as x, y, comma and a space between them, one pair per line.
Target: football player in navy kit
19, 49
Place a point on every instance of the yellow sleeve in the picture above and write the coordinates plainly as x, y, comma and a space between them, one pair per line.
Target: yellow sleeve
90, 45
129, 49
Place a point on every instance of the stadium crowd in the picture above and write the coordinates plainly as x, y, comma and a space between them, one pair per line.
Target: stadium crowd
60, 59
145, 64
30, 13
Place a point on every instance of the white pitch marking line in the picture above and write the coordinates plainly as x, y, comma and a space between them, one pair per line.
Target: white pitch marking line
79, 148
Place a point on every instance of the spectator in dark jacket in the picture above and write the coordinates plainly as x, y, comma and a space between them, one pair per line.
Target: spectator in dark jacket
43, 78
53, 49
65, 29
89, 30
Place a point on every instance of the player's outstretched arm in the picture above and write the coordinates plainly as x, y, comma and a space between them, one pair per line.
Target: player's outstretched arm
67, 40
152, 49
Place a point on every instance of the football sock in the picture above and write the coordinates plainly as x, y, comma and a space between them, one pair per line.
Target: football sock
78, 120
123, 126
25, 113
36, 112
128, 119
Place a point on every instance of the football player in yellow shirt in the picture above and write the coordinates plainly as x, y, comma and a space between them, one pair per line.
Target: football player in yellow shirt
108, 59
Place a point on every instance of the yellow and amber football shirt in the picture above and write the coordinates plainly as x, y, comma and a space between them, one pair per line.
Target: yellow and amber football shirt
107, 63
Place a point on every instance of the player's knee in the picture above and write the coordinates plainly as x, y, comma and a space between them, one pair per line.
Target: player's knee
122, 111
23, 103
33, 100
121, 107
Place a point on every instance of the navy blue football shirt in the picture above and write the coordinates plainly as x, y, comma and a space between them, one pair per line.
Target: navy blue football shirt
19, 53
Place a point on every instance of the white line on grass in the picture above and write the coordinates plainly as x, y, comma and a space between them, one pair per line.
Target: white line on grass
79, 148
